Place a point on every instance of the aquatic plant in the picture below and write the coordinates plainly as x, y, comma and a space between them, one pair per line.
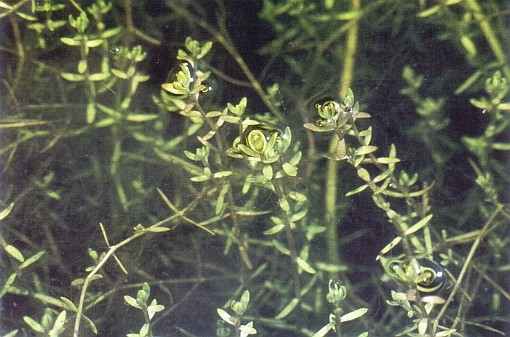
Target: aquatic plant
232, 199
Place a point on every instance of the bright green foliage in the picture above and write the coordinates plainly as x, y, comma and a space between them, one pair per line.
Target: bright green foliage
239, 307
497, 88
418, 276
149, 310
49, 326
433, 118
217, 194
335, 296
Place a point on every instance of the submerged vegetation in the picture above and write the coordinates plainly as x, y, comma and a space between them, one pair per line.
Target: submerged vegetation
270, 168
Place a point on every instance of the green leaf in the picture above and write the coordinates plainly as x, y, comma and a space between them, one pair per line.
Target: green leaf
245, 298
191, 156
480, 104
91, 112
231, 119
304, 265
356, 190
205, 49
77, 282
14, 252
5, 212
504, 106
138, 78
353, 315
274, 230
59, 324
144, 330
222, 174
363, 174
111, 32
72, 77
247, 329
200, 178
284, 204
105, 122
320, 126
296, 158
324, 330
468, 45
132, 301
430, 11
31, 259
82, 66
331, 268
220, 201
8, 284
296, 196
225, 316
34, 325
281, 248
70, 41
91, 324
382, 176
267, 171
366, 149
387, 160
389, 246
67, 304
94, 43
501, 146
119, 73
155, 308
157, 229
239, 108
212, 114
289, 169
141, 117
288, 309
349, 98
13, 333
419, 225
299, 215
97, 77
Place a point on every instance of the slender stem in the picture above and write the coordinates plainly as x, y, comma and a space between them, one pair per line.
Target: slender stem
490, 35
13, 9
225, 163
331, 188
467, 262
227, 43
111, 251
281, 194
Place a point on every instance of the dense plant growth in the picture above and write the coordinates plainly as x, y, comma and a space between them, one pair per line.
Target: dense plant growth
273, 167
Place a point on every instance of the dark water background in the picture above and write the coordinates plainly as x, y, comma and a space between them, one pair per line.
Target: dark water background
73, 219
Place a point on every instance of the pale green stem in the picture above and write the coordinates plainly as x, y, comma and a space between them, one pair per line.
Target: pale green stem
490, 35
331, 188
467, 262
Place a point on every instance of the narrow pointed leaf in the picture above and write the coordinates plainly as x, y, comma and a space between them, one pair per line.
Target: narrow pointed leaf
14, 252
225, 316
34, 325
305, 266
353, 315
274, 230
419, 225
288, 309
5, 212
